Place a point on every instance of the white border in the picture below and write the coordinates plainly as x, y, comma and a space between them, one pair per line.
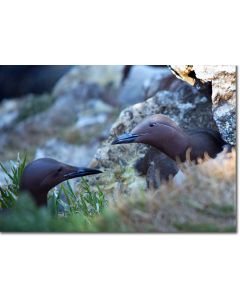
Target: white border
119, 266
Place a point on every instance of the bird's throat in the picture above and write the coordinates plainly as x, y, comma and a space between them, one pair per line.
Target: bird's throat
40, 199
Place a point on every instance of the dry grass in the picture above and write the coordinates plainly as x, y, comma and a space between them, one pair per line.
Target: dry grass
204, 202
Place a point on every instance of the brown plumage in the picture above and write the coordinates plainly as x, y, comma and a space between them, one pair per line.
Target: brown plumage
43, 174
164, 134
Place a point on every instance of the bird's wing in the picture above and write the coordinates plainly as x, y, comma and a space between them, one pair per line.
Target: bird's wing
212, 133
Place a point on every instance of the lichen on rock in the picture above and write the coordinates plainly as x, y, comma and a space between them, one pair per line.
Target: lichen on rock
99, 77
187, 108
223, 93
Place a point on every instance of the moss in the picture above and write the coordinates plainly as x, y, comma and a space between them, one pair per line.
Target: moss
33, 105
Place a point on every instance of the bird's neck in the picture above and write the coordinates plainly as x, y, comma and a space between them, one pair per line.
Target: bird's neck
40, 199
176, 145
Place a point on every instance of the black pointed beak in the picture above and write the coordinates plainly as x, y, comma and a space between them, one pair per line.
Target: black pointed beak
80, 172
125, 138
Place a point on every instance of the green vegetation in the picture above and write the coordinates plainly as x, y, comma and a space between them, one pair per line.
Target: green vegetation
33, 105
201, 228
75, 213
10, 192
203, 203
225, 210
86, 202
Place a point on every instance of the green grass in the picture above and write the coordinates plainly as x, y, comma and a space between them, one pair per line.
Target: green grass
86, 202
203, 203
76, 213
25, 216
10, 191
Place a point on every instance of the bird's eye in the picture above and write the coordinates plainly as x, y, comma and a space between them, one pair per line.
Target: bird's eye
152, 124
59, 169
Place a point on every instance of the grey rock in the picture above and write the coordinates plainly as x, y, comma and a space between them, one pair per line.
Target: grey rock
122, 161
93, 113
70, 117
8, 113
90, 121
223, 83
223, 79
67, 153
142, 82
225, 117
101, 76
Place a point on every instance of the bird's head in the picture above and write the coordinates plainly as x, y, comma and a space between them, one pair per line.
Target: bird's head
43, 174
158, 131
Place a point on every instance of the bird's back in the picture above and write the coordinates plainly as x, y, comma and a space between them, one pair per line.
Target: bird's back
205, 141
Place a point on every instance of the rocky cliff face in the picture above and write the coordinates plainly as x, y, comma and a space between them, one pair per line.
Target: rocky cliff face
209, 103
71, 121
90, 105
123, 163
223, 93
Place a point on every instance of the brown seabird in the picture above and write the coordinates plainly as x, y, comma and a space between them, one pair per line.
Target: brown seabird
164, 134
43, 174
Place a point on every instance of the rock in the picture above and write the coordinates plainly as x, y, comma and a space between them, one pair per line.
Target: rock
119, 161
223, 80
92, 124
90, 121
184, 72
67, 153
141, 83
30, 105
223, 93
75, 120
36, 129
8, 113
94, 113
103, 77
